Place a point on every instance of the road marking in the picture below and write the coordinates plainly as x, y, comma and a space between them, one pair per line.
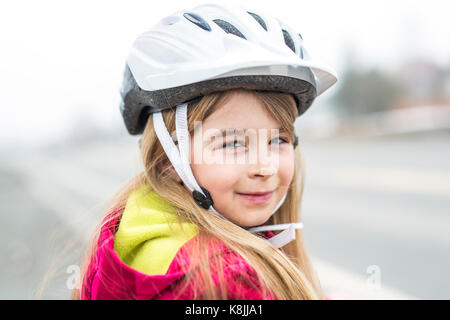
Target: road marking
341, 284
420, 181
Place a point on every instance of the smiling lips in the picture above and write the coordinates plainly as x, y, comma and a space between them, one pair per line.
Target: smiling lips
257, 197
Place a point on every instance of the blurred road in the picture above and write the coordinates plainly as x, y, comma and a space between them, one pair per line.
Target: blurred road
369, 204
382, 202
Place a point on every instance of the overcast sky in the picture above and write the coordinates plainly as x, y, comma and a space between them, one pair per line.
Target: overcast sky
63, 60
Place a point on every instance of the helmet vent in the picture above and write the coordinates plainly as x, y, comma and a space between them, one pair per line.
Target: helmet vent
288, 40
301, 54
197, 20
259, 19
229, 28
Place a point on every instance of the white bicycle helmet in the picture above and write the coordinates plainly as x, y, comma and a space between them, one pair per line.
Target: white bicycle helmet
214, 48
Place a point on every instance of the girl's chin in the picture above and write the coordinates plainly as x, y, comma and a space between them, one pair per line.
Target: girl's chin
257, 221
251, 215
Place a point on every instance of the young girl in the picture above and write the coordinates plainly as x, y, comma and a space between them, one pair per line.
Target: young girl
214, 91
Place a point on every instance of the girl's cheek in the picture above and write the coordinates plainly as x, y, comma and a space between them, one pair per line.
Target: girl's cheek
286, 167
209, 175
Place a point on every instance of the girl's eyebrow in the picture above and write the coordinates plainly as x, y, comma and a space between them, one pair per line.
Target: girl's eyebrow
225, 132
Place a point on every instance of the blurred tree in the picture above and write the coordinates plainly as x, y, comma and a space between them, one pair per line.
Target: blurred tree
365, 91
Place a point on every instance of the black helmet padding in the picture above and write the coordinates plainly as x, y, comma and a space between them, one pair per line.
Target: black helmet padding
137, 104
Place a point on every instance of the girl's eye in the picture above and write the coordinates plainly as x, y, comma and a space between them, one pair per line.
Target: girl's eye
231, 144
282, 139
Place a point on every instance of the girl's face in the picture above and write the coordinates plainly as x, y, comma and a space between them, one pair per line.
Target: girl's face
256, 158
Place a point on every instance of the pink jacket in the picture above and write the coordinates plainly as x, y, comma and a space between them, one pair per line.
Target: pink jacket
108, 277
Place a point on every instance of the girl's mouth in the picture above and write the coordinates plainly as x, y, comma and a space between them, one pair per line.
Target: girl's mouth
257, 198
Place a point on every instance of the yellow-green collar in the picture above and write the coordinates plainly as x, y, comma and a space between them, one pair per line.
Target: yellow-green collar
149, 234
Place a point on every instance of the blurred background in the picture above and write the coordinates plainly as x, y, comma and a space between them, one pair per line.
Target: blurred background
376, 205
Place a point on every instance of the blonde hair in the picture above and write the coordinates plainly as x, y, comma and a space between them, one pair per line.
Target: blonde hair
286, 273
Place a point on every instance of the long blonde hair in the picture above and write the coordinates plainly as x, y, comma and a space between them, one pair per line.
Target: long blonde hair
286, 273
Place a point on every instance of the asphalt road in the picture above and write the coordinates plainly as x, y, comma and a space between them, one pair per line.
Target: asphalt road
382, 202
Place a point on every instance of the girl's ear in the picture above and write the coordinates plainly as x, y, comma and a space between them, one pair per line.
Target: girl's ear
170, 169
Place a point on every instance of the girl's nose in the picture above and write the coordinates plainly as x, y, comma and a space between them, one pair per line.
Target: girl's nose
264, 168
267, 171
263, 160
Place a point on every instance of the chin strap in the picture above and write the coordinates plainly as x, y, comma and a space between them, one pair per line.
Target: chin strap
179, 157
283, 238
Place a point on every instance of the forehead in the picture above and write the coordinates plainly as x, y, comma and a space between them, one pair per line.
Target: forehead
241, 110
